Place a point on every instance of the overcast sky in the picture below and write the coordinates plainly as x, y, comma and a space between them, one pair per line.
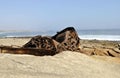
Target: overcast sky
58, 14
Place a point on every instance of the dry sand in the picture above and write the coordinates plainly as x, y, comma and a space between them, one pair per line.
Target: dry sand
13, 41
64, 65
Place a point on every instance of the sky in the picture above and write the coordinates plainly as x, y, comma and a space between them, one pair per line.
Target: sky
58, 14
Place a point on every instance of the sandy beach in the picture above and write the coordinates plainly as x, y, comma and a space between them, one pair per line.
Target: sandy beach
59, 38
66, 64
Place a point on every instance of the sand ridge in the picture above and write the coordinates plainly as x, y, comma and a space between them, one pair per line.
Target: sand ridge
64, 65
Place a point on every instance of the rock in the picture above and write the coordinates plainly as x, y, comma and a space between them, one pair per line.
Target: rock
101, 48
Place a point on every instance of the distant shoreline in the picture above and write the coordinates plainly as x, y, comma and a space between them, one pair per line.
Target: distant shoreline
80, 38
29, 37
110, 35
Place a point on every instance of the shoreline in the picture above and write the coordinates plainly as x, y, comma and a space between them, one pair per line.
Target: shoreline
81, 40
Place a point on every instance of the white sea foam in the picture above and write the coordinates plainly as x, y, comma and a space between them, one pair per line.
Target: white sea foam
101, 37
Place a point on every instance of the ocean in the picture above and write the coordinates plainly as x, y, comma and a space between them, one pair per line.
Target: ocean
113, 34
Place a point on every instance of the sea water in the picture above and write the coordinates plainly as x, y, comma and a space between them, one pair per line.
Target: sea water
111, 34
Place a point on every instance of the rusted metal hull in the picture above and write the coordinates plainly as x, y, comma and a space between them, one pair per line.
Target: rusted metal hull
31, 51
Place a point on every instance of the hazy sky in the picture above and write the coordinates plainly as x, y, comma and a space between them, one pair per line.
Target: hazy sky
58, 14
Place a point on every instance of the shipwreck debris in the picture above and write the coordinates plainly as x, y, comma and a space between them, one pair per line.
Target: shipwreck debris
31, 51
68, 39
64, 40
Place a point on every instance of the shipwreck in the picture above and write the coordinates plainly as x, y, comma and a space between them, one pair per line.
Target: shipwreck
65, 40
